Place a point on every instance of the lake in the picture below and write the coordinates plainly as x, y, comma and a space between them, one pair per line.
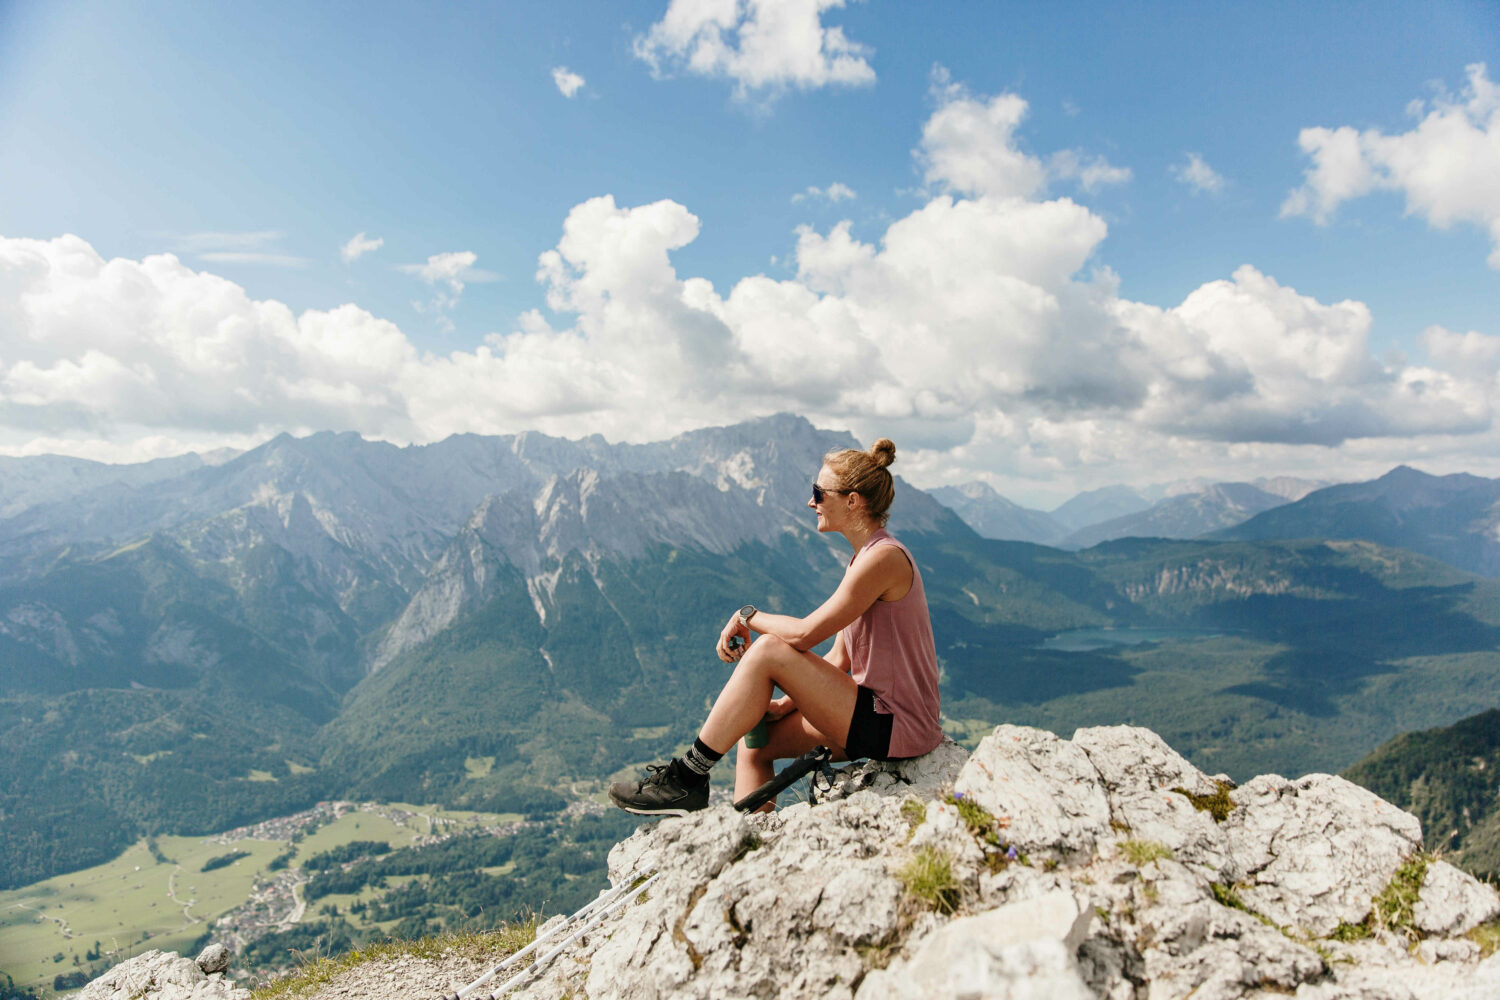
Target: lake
1082, 640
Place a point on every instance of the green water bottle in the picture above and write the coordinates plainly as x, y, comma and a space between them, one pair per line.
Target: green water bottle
760, 735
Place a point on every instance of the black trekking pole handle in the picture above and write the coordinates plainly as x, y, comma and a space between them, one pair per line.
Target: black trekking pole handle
808, 762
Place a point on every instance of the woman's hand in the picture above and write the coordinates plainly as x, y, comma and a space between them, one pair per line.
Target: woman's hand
728, 653
780, 708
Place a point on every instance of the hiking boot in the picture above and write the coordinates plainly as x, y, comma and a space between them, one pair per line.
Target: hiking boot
663, 793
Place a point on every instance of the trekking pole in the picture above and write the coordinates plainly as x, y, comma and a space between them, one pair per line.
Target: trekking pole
814, 759
512, 959
541, 963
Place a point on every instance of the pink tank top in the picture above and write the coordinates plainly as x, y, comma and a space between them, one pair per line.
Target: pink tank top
891, 652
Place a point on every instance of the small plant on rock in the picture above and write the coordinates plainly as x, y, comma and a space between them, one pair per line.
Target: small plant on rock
929, 878
1487, 936
1394, 908
1142, 852
1217, 804
914, 812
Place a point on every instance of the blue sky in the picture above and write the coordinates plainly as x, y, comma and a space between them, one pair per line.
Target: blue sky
1113, 333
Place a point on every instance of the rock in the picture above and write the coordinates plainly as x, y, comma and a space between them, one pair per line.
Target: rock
1140, 772
1316, 850
160, 975
926, 777
810, 901
214, 958
1020, 951
1046, 788
1453, 902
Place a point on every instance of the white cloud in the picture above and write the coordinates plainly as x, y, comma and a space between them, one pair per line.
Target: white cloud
1198, 175
254, 247
1448, 166
568, 82
835, 192
454, 269
978, 331
764, 46
358, 246
253, 257
969, 147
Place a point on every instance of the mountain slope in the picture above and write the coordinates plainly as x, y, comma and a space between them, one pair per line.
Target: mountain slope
1450, 779
1453, 518
993, 516
1186, 515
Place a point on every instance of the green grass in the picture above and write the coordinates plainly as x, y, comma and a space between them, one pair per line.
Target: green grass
125, 905
929, 879
1394, 908
318, 971
914, 811
1487, 936
1142, 852
1217, 803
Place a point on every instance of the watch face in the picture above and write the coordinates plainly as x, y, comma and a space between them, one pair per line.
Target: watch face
747, 611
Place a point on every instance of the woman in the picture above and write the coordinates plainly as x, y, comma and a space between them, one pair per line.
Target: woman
876, 695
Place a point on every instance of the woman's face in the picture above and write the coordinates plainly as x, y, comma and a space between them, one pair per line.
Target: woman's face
833, 511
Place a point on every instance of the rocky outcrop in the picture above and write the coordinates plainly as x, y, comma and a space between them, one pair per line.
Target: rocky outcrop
1036, 869
162, 975
1101, 866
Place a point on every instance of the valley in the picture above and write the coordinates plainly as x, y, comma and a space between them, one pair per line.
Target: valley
500, 626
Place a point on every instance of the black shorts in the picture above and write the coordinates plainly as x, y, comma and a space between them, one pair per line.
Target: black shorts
869, 730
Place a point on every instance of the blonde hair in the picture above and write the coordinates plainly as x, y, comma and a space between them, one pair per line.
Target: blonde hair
865, 473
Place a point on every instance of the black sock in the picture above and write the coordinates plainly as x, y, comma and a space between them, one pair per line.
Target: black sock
699, 760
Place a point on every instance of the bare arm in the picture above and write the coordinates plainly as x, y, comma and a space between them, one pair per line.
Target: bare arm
886, 573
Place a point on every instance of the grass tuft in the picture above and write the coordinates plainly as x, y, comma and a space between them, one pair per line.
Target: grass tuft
1142, 852
1218, 804
914, 811
321, 970
929, 878
1394, 908
1487, 936
1348, 932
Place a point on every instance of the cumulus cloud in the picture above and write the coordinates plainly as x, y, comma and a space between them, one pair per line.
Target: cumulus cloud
358, 246
835, 192
969, 147
450, 272
1447, 167
764, 46
979, 330
568, 82
1198, 175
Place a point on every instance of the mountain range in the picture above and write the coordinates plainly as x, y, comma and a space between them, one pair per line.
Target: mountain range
508, 622
1187, 509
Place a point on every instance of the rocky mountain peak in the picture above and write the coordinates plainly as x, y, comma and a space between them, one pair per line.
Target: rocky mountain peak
1101, 866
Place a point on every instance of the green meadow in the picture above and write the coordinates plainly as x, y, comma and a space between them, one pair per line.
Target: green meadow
163, 899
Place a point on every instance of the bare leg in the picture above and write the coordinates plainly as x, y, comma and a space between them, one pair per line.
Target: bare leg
824, 694
791, 736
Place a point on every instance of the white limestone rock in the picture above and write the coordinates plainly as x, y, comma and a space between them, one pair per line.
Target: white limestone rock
1021, 951
926, 777
1045, 788
1453, 902
161, 975
1316, 850
1140, 772
214, 958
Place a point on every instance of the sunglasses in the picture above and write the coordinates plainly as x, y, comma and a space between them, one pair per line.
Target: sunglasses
819, 493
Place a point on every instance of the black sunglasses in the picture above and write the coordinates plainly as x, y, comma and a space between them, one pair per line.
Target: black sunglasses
819, 492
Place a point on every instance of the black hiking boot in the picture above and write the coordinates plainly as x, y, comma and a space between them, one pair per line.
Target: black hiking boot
664, 792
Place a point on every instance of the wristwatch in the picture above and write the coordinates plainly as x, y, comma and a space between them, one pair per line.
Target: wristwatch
746, 613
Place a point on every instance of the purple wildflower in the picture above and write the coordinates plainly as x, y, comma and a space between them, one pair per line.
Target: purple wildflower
1012, 853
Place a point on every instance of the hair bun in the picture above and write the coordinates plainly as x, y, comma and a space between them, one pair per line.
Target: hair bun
883, 452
